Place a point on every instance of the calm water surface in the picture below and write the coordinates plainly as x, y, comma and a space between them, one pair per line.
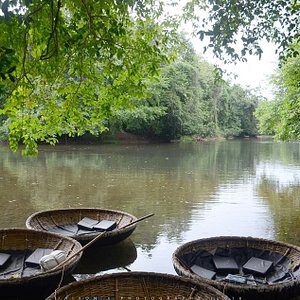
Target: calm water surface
244, 188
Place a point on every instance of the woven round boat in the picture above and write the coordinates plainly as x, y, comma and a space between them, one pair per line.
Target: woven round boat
138, 286
184, 257
64, 221
21, 280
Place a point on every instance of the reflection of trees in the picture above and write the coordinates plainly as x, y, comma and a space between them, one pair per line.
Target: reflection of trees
136, 180
282, 195
168, 180
15, 201
282, 152
284, 202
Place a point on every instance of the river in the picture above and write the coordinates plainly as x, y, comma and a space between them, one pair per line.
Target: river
236, 187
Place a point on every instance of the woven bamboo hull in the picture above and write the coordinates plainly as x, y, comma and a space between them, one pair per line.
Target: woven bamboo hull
138, 285
35, 286
49, 219
278, 291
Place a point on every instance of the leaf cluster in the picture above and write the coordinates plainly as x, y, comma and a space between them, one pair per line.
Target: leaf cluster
72, 63
190, 100
235, 28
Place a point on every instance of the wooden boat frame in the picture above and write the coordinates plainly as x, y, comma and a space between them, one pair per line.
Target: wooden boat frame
44, 220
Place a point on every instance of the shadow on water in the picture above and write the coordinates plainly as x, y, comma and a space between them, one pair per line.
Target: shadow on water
97, 259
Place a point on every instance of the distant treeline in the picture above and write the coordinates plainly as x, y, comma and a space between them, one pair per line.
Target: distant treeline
190, 99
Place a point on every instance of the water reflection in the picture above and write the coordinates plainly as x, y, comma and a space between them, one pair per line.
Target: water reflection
234, 210
97, 259
282, 195
237, 187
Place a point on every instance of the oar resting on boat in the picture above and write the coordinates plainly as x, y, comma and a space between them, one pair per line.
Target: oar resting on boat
98, 237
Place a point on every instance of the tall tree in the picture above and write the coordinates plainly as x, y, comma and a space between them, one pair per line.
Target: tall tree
288, 121
268, 116
190, 99
236, 28
66, 65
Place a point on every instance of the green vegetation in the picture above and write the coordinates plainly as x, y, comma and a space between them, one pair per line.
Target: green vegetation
75, 67
189, 99
267, 114
282, 116
288, 81
233, 29
66, 65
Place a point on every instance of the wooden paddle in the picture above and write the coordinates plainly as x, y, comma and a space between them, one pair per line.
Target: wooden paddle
96, 239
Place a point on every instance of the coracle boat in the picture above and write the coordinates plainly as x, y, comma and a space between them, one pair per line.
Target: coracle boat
242, 267
137, 285
84, 224
21, 275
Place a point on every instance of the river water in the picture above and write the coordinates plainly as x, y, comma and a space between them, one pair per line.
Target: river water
236, 187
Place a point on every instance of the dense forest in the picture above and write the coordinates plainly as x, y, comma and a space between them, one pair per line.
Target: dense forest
70, 68
281, 117
189, 99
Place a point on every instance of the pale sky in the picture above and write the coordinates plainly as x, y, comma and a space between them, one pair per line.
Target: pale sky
254, 73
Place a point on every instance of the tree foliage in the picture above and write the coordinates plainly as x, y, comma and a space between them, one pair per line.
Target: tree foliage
236, 27
233, 29
66, 65
189, 99
288, 81
73, 66
282, 115
268, 116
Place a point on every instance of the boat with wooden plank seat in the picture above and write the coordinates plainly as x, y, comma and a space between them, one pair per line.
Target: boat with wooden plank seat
242, 267
137, 285
84, 224
21, 275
